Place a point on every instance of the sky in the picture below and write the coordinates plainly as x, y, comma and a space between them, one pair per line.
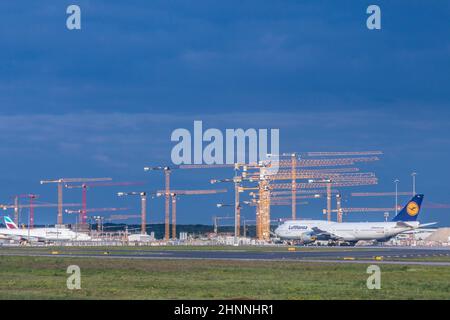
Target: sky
103, 101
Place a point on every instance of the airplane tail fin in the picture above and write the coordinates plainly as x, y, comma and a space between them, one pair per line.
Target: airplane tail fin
9, 223
411, 210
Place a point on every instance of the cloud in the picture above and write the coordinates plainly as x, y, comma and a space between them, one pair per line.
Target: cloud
118, 138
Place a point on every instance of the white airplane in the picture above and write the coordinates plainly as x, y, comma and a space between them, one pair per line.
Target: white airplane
12, 232
308, 231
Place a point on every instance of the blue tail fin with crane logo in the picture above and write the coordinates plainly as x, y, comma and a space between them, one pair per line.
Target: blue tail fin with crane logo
411, 210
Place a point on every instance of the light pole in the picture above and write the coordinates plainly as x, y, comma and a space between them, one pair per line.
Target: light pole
237, 226
29, 221
396, 181
237, 206
414, 182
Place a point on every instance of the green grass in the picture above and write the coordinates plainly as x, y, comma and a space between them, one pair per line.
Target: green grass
45, 278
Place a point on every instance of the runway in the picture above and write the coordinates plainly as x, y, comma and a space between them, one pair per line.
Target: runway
326, 255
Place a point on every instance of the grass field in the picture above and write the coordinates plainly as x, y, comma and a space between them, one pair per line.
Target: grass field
45, 278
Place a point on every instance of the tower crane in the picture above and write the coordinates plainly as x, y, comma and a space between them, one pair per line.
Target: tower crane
85, 186
343, 153
325, 162
32, 205
167, 193
237, 206
380, 194
92, 210
143, 196
174, 196
60, 183
167, 171
304, 192
31, 197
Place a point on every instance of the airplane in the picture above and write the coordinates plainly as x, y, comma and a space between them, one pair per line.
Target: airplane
12, 232
308, 231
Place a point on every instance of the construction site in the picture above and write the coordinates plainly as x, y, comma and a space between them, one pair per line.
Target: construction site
301, 178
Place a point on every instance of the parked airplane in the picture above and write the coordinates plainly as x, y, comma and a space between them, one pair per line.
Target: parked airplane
307, 231
12, 232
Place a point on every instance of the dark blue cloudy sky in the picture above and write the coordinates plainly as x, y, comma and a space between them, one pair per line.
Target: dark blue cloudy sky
103, 101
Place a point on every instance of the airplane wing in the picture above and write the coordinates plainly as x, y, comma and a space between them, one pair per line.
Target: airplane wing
326, 234
19, 237
404, 224
427, 224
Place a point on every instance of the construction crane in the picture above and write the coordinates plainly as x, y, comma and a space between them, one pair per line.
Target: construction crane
337, 177
365, 209
99, 220
322, 162
283, 198
85, 186
345, 153
96, 210
167, 171
38, 205
364, 182
237, 180
32, 205
363, 156
31, 197
60, 183
326, 170
167, 192
115, 217
327, 183
237, 207
295, 174
277, 202
380, 194
84, 227
237, 210
304, 192
334, 176
174, 196
143, 196
432, 205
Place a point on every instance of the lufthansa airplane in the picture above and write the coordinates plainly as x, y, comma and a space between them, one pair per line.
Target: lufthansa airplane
307, 231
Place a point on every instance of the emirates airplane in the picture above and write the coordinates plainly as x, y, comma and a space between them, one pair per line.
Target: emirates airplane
308, 231
12, 232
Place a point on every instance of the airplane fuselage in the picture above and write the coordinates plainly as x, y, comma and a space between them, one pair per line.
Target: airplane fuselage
44, 234
347, 231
